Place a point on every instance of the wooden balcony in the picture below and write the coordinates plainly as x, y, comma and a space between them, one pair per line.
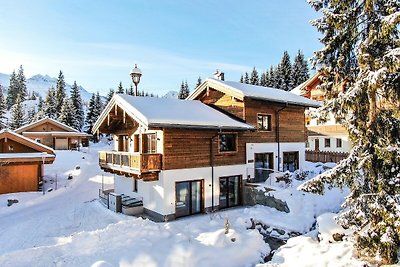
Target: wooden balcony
139, 166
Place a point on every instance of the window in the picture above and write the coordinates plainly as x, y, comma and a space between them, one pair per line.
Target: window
338, 142
149, 143
264, 122
10, 148
307, 144
227, 142
327, 142
290, 161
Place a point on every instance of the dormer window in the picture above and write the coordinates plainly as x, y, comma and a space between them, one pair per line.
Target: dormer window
264, 122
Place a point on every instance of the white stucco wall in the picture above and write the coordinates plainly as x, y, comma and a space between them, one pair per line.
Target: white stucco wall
333, 148
252, 148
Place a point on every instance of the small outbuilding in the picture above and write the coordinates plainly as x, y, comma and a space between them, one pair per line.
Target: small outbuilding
21, 162
54, 134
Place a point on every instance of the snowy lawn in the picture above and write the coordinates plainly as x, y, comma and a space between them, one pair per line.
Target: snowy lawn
69, 227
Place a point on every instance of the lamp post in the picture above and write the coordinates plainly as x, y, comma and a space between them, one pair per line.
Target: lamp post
136, 73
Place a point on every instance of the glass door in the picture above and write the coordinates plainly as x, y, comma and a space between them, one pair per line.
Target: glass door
229, 191
263, 166
189, 198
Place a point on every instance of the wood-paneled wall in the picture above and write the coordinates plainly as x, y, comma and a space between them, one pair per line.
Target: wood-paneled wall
16, 147
190, 148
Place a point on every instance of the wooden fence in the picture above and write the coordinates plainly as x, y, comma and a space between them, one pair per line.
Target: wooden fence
325, 156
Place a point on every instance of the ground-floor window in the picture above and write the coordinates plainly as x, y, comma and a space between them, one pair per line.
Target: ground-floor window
290, 161
229, 191
263, 166
189, 198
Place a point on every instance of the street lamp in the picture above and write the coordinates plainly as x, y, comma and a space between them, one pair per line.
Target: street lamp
136, 73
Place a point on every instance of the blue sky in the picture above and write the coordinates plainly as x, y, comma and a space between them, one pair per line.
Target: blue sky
96, 43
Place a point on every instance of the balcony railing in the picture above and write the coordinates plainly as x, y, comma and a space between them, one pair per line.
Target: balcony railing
130, 162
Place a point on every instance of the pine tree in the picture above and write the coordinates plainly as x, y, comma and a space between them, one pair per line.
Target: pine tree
241, 79
361, 49
199, 81
12, 90
17, 114
120, 89
68, 113
246, 78
31, 115
60, 92
40, 110
299, 70
3, 109
109, 95
263, 79
131, 90
272, 82
184, 91
78, 106
49, 107
21, 81
90, 114
254, 77
283, 73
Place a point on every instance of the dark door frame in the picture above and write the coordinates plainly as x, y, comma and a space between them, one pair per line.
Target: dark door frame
190, 196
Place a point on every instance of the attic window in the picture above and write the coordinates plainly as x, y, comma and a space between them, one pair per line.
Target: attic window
44, 129
10, 148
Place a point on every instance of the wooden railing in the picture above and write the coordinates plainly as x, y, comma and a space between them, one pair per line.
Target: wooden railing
130, 161
325, 156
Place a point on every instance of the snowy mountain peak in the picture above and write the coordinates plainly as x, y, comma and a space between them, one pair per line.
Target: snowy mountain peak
43, 78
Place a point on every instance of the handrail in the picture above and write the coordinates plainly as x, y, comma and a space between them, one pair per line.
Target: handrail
131, 160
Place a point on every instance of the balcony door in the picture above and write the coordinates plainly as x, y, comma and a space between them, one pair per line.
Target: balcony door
123, 143
229, 191
189, 198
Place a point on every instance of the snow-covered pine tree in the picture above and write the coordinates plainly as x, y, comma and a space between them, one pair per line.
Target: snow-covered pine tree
254, 77
284, 72
3, 109
90, 114
49, 107
60, 92
31, 115
361, 40
187, 90
241, 79
299, 69
263, 79
130, 91
17, 114
40, 110
12, 90
68, 114
272, 81
120, 89
183, 91
199, 81
109, 95
246, 78
78, 105
21, 81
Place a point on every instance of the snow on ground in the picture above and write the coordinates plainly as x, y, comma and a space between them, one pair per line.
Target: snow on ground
69, 227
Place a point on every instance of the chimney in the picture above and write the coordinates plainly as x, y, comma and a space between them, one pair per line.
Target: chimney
219, 75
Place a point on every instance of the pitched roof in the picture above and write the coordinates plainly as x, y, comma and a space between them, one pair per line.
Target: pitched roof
164, 112
6, 133
242, 90
44, 120
298, 89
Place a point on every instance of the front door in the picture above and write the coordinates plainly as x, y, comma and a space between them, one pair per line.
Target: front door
317, 144
189, 198
263, 166
229, 191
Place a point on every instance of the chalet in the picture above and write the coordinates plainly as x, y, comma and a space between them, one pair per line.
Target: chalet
21, 162
54, 134
328, 136
183, 157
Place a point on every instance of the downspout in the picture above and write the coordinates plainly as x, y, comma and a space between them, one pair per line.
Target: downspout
277, 135
212, 169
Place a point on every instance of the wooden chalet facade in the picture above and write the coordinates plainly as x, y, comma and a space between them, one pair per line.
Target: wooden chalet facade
54, 134
21, 162
328, 136
186, 156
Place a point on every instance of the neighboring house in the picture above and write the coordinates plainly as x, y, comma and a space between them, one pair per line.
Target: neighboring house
54, 134
328, 136
183, 157
21, 162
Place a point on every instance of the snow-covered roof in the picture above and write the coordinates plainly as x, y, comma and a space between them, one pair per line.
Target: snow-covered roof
241, 90
27, 140
298, 89
33, 124
54, 133
26, 155
163, 112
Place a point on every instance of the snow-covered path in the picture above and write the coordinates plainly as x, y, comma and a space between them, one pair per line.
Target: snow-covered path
69, 227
